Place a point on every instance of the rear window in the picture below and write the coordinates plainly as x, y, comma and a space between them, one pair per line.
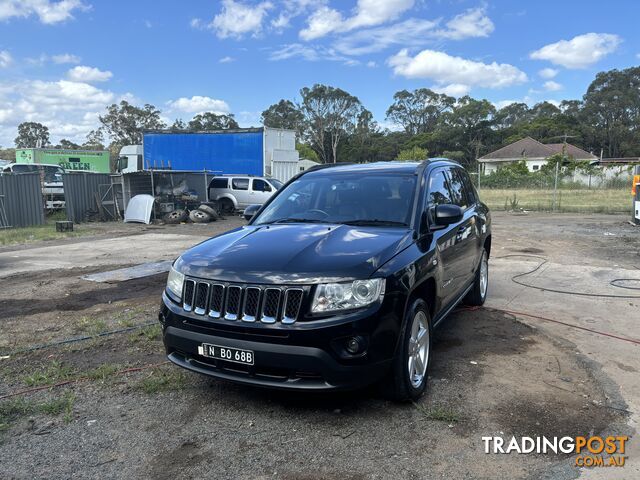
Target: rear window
220, 183
240, 183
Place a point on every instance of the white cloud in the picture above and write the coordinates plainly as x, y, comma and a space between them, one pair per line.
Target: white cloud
579, 52
226, 59
409, 33
548, 73
48, 11
371, 64
82, 73
453, 89
310, 53
455, 72
367, 13
237, 19
65, 58
470, 24
551, 86
503, 103
5, 59
68, 108
199, 104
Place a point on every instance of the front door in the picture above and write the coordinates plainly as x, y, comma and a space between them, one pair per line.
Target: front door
260, 191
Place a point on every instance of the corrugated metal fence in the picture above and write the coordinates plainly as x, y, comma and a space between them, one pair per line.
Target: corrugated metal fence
22, 199
83, 192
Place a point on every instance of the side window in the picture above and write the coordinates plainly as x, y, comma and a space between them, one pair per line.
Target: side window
458, 190
438, 192
240, 184
220, 183
468, 187
260, 186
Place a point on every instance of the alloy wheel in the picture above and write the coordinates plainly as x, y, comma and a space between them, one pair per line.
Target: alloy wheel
418, 351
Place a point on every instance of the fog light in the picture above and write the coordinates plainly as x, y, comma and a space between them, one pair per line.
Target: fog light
354, 345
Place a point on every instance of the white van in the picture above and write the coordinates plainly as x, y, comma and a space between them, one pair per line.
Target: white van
51, 179
236, 192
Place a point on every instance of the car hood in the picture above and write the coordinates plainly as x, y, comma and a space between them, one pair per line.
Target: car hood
301, 253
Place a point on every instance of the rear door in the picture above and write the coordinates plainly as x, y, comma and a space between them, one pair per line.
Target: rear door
467, 236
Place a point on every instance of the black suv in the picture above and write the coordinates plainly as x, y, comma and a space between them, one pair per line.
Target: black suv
336, 282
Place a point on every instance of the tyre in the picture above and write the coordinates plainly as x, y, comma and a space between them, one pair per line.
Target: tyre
226, 206
177, 216
478, 293
199, 216
210, 210
410, 370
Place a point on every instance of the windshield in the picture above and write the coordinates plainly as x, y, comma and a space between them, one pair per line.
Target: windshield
276, 183
360, 199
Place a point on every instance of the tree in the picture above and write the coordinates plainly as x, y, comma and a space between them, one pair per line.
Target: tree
32, 135
420, 110
209, 121
612, 111
68, 145
283, 114
178, 124
124, 123
413, 154
329, 114
511, 115
306, 151
94, 140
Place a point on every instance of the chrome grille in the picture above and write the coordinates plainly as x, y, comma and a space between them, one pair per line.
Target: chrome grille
189, 291
201, 296
251, 304
216, 301
270, 305
232, 308
248, 303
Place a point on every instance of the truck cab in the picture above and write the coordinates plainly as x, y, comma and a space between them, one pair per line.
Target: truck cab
130, 159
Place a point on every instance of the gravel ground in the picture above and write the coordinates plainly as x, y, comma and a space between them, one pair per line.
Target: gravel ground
491, 375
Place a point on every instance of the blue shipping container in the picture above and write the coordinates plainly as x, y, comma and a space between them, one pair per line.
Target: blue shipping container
232, 152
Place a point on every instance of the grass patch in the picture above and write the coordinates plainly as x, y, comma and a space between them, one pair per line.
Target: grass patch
50, 374
162, 380
439, 413
575, 201
12, 410
90, 326
149, 334
104, 371
127, 317
38, 233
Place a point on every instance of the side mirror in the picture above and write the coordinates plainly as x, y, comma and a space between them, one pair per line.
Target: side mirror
250, 211
447, 214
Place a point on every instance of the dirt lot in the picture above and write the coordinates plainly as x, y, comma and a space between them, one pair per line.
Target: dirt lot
120, 412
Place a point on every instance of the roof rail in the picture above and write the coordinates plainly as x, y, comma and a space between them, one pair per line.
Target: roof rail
328, 165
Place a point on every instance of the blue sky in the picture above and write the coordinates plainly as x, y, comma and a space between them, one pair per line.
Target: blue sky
61, 63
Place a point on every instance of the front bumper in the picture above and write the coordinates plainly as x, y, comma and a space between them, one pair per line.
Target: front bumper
302, 356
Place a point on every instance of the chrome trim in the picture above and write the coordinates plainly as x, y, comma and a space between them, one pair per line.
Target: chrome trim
263, 317
197, 310
215, 313
188, 306
290, 320
233, 316
245, 317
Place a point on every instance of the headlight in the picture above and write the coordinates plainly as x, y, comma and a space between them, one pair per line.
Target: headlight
175, 281
344, 296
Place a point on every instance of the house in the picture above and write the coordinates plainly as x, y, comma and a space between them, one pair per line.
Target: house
534, 153
305, 164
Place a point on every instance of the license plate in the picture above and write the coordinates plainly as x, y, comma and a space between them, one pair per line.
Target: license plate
235, 355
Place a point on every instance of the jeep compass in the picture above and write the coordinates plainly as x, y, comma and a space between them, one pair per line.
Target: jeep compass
337, 282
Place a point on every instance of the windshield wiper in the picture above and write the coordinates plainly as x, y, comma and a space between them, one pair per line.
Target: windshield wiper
374, 223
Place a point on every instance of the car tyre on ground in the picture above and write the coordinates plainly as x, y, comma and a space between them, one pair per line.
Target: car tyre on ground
177, 216
410, 369
199, 216
478, 293
210, 210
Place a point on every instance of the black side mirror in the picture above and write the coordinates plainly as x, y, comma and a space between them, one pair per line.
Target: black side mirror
250, 211
447, 214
